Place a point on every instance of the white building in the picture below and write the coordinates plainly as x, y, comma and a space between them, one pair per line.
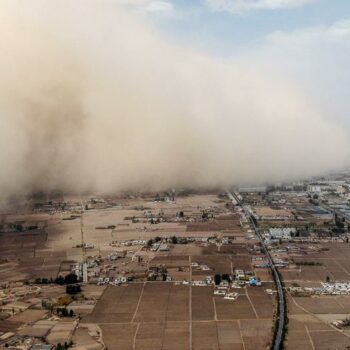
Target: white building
314, 188
282, 233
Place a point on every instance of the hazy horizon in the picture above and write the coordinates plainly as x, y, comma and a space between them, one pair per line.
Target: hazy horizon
94, 98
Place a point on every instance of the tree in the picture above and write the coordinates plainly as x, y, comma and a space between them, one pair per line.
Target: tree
339, 224
73, 289
62, 347
328, 279
72, 278
217, 279
64, 301
71, 313
254, 220
174, 239
338, 230
59, 280
226, 277
19, 227
181, 214
64, 312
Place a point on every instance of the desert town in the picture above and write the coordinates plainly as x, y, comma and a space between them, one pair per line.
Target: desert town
175, 175
141, 270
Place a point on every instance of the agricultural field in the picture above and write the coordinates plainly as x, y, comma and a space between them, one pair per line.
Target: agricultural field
167, 313
310, 322
311, 317
157, 315
330, 260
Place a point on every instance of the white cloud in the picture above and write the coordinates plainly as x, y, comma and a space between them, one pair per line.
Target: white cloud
316, 58
340, 29
242, 6
154, 8
160, 6
135, 2
150, 5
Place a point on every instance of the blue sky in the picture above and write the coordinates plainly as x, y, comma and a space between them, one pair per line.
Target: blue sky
222, 33
306, 41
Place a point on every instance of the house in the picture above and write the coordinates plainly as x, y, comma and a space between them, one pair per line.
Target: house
240, 275
164, 248
282, 233
14, 307
224, 283
314, 188
254, 282
42, 347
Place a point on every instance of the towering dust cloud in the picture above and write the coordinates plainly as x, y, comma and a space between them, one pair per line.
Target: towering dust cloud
91, 98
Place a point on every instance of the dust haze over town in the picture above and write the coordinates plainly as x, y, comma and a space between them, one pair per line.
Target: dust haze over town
174, 174
93, 98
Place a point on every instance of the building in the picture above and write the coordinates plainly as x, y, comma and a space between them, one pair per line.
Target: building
164, 248
260, 189
14, 307
282, 233
314, 188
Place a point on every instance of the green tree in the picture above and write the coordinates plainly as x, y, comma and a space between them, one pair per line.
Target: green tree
72, 278
59, 280
226, 277
19, 227
65, 312
217, 279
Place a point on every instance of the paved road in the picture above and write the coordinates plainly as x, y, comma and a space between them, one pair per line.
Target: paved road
280, 320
